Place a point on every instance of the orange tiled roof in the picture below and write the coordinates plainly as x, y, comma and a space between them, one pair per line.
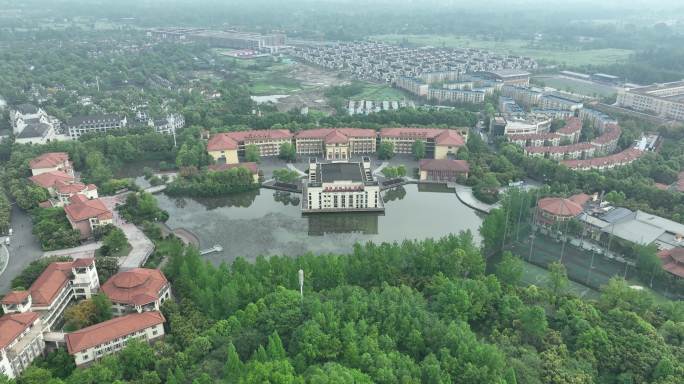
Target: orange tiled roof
12, 325
111, 329
49, 160
49, 179
15, 297
81, 208
50, 283
137, 286
221, 142
558, 206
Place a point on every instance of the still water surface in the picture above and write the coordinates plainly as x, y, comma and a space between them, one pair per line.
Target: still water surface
267, 222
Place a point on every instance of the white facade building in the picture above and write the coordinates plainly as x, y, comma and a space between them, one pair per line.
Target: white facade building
341, 187
81, 125
21, 341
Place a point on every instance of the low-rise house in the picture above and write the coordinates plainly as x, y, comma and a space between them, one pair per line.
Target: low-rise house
31, 124
554, 210
80, 125
59, 284
62, 187
86, 214
92, 343
443, 170
21, 341
51, 161
137, 290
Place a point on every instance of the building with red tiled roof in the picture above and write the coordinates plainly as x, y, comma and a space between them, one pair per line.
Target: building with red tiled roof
21, 341
552, 210
137, 290
439, 143
86, 214
572, 130
608, 140
625, 157
56, 286
673, 261
92, 343
48, 180
535, 139
443, 170
561, 152
225, 147
335, 143
51, 161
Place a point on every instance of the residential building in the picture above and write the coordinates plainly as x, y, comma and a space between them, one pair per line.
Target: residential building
526, 96
562, 152
62, 187
170, 124
413, 85
57, 286
443, 170
625, 157
32, 125
80, 125
51, 161
439, 143
96, 341
341, 186
137, 290
572, 130
336, 143
456, 96
535, 139
86, 214
665, 100
21, 341
562, 101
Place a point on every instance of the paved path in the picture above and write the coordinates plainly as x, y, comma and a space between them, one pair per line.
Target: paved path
142, 247
80, 252
24, 247
379, 169
292, 167
466, 196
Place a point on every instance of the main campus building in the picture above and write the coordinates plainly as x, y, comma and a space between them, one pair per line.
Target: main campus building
341, 187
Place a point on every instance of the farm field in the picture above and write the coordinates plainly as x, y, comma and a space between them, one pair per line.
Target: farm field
545, 55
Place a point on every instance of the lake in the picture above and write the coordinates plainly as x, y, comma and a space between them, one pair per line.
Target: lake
267, 222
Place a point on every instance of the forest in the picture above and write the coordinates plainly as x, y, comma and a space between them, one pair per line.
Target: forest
420, 311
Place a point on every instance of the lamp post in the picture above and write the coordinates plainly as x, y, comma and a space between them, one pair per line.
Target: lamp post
301, 283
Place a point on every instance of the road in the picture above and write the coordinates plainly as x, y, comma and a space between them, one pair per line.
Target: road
142, 247
24, 247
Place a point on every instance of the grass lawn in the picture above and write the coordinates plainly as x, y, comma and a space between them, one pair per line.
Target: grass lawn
534, 275
576, 86
517, 47
379, 92
122, 252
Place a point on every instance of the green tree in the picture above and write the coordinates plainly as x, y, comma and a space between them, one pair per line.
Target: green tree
288, 152
418, 149
510, 269
252, 153
385, 150
558, 278
113, 242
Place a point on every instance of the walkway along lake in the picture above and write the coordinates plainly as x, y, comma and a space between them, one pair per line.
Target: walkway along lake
267, 222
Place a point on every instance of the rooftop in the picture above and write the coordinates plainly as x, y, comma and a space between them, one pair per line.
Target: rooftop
82, 208
78, 120
221, 142
559, 206
137, 286
50, 179
15, 297
331, 172
49, 160
12, 325
111, 329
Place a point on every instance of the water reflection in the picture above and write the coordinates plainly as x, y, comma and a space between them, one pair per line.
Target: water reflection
434, 187
327, 223
286, 198
239, 200
397, 193
266, 222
